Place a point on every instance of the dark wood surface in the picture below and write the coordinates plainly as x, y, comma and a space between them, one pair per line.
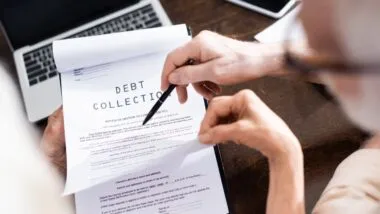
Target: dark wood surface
326, 136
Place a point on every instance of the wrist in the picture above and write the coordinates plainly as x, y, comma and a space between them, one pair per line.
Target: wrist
286, 185
266, 59
291, 153
275, 55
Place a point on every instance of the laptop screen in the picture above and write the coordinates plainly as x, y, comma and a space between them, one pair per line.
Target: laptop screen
30, 21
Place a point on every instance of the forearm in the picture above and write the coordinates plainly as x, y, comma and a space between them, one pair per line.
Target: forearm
286, 184
262, 59
268, 60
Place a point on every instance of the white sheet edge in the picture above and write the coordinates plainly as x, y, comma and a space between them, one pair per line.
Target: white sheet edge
77, 53
277, 32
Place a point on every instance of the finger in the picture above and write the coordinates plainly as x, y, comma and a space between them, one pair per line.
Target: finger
53, 137
177, 58
56, 116
208, 95
221, 133
218, 107
182, 94
214, 88
53, 141
193, 73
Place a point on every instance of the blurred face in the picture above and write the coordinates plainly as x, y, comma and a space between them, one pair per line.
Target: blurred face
338, 28
318, 19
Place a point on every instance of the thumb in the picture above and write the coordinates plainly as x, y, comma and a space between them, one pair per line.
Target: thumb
219, 134
192, 74
54, 133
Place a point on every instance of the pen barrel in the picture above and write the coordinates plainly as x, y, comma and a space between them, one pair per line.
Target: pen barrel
167, 93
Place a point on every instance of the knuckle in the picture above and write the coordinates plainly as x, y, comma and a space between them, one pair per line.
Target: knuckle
205, 33
246, 93
216, 73
247, 96
213, 101
241, 126
194, 43
203, 36
170, 57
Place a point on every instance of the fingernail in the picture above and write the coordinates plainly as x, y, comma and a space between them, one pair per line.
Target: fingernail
204, 138
174, 78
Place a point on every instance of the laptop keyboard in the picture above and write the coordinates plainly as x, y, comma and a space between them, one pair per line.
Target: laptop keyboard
40, 64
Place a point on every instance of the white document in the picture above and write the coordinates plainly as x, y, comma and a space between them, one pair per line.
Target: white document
192, 188
114, 164
279, 31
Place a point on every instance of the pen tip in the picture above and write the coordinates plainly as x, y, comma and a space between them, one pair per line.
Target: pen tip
145, 121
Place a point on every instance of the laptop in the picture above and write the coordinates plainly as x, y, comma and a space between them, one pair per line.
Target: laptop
30, 27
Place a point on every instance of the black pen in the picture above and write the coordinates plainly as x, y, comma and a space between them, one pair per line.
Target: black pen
162, 99
159, 103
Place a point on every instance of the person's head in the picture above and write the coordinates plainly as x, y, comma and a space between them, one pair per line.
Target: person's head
348, 30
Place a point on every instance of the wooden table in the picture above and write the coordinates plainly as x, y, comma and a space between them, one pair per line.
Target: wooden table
326, 136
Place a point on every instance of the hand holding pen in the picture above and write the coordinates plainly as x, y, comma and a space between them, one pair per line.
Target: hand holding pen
167, 93
220, 61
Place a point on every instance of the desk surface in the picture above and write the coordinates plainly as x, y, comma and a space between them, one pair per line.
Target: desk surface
326, 136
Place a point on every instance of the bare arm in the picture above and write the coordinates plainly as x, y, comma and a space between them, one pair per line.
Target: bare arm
255, 125
286, 184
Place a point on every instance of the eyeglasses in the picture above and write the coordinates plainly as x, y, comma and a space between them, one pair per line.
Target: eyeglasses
319, 62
